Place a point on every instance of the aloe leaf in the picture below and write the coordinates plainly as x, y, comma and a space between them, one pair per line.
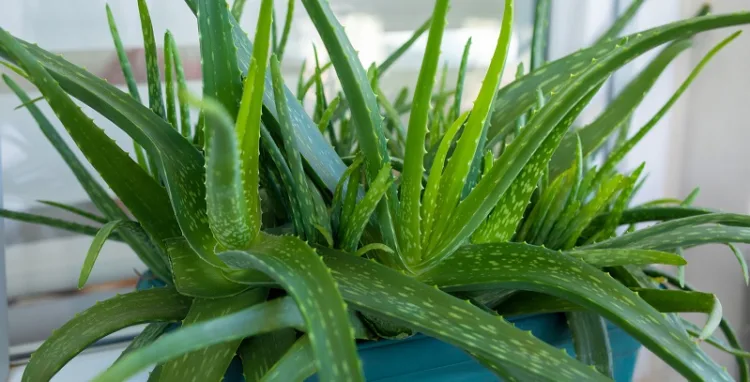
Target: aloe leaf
192, 277
394, 118
591, 341
622, 21
297, 364
429, 200
210, 363
393, 57
127, 73
374, 288
260, 353
656, 235
724, 326
620, 204
410, 231
476, 209
299, 270
625, 256
362, 103
279, 51
514, 99
325, 119
123, 175
459, 166
338, 203
155, 100
185, 128
595, 134
740, 259
526, 267
169, 82
644, 214
50, 222
540, 35
237, 7
321, 104
139, 242
604, 195
94, 249
360, 215
261, 318
514, 194
302, 194
664, 301
372, 247
109, 316
149, 334
620, 153
75, 210
249, 118
533, 223
456, 110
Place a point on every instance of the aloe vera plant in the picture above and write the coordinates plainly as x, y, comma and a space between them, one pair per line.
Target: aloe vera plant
375, 229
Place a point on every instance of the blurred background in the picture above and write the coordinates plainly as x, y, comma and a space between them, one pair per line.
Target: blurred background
699, 144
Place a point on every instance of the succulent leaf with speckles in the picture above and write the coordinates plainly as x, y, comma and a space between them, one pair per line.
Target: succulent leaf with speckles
284, 236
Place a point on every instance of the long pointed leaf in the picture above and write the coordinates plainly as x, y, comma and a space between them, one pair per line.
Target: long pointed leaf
260, 353
94, 249
261, 318
158, 304
526, 267
155, 100
209, 363
411, 180
591, 341
373, 288
299, 270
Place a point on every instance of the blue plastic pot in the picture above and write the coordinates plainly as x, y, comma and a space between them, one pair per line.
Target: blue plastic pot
422, 358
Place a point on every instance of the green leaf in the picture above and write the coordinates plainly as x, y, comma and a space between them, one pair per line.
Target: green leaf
410, 230
659, 235
664, 301
620, 204
514, 99
595, 134
231, 219
109, 316
261, 318
622, 21
725, 327
620, 153
513, 183
625, 256
237, 7
429, 199
520, 266
300, 271
325, 119
393, 57
185, 128
155, 101
740, 259
149, 334
362, 103
297, 364
357, 221
644, 214
458, 167
540, 35
210, 363
75, 210
456, 111
376, 289
302, 195
193, 277
279, 51
591, 341
222, 80
339, 204
372, 247
260, 353
169, 82
122, 56
145, 198
95, 248
127, 73
603, 197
